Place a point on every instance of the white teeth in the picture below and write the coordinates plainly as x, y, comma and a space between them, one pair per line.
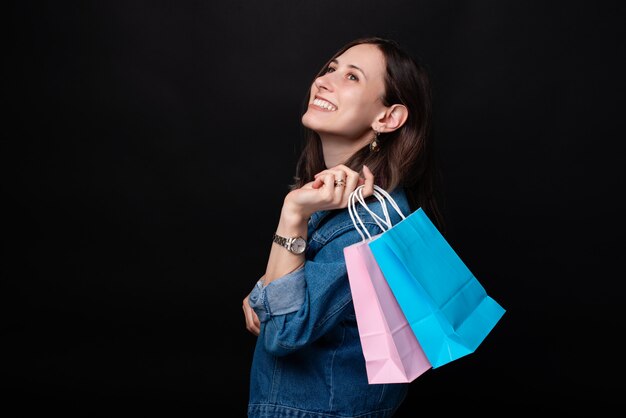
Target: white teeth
324, 104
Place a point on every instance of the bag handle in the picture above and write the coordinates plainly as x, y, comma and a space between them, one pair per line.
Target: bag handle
383, 197
357, 194
389, 199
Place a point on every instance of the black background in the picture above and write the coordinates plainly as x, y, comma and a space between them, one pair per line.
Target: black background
148, 145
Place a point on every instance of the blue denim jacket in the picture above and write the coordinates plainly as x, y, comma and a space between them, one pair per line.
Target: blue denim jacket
308, 360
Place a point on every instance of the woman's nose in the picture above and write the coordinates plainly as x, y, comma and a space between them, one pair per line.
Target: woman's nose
323, 82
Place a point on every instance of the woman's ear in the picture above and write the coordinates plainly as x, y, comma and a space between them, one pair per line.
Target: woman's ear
393, 118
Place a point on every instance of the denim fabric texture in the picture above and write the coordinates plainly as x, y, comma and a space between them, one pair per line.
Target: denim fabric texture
308, 360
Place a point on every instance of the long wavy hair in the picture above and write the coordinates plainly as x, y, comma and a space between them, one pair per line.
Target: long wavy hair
405, 157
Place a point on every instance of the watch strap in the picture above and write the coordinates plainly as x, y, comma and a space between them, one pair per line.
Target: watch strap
282, 241
288, 243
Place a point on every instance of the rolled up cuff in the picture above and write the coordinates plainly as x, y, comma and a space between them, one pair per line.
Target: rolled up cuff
279, 297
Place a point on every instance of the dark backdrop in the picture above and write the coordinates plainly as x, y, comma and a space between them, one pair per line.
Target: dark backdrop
148, 145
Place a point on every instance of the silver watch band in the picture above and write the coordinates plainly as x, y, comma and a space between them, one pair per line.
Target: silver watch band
295, 245
283, 241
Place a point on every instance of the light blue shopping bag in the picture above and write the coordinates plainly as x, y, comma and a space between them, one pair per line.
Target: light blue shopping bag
445, 305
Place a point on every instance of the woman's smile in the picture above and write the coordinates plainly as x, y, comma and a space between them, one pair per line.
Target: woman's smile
344, 89
323, 104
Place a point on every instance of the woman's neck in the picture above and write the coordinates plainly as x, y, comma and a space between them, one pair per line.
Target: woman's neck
338, 150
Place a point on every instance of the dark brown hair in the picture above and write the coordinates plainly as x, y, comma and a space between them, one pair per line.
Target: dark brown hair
405, 157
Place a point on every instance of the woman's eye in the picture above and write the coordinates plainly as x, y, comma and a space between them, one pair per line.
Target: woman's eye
353, 77
329, 70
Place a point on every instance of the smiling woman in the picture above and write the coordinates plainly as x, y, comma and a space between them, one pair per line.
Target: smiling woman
366, 122
344, 101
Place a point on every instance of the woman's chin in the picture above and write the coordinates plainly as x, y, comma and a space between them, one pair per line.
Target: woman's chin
309, 121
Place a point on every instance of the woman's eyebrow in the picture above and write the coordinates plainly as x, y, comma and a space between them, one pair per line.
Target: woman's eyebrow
351, 66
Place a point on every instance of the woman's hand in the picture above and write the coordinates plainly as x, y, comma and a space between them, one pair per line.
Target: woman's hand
329, 190
252, 320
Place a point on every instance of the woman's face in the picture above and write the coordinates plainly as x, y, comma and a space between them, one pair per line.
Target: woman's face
346, 99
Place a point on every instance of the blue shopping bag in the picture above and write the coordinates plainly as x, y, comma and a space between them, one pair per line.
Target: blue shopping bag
446, 306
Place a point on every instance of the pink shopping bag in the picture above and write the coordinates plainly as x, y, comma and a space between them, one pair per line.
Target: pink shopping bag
391, 350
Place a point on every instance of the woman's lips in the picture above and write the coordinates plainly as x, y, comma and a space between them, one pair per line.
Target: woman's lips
323, 104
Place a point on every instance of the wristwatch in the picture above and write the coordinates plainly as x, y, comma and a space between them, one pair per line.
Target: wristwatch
295, 245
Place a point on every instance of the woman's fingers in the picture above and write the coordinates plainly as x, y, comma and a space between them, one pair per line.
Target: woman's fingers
317, 183
339, 184
344, 176
322, 177
339, 181
252, 320
368, 188
352, 181
327, 182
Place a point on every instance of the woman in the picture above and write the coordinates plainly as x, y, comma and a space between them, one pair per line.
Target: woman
366, 120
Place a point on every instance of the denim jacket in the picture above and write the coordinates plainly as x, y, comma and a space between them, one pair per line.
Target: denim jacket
308, 360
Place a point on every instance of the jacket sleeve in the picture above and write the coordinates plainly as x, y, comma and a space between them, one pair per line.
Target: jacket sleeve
301, 306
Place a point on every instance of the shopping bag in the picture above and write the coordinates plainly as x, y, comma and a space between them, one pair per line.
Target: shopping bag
448, 309
391, 351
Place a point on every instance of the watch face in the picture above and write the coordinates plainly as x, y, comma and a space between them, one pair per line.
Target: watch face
298, 246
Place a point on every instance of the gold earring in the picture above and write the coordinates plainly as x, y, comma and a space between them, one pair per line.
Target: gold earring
374, 145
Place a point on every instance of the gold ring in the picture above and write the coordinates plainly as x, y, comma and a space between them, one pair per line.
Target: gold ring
340, 182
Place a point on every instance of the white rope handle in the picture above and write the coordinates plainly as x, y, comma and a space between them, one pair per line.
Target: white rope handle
383, 197
389, 199
387, 220
354, 214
